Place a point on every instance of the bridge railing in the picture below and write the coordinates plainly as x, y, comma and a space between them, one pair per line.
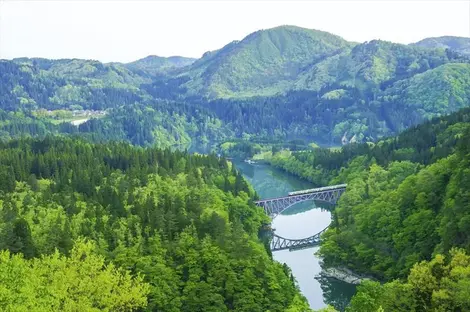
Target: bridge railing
281, 243
275, 206
305, 192
318, 189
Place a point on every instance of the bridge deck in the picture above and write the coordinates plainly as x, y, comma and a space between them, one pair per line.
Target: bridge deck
305, 192
274, 206
319, 189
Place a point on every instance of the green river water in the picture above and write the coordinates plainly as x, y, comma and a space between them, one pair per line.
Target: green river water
299, 221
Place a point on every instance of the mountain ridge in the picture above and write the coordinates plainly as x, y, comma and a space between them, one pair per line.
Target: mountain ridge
154, 65
280, 82
458, 44
260, 60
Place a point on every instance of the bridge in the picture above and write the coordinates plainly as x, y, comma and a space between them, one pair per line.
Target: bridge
274, 206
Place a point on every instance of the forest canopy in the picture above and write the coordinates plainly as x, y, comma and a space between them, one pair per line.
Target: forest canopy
172, 231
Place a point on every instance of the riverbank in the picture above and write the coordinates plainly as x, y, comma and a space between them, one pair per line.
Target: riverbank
342, 274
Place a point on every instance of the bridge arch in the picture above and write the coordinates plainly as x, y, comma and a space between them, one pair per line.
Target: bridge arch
282, 243
274, 206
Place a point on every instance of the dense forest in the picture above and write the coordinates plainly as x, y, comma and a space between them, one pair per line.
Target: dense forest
405, 212
119, 228
281, 83
103, 208
422, 144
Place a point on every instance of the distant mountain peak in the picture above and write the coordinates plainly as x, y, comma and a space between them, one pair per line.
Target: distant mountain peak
154, 64
458, 44
262, 63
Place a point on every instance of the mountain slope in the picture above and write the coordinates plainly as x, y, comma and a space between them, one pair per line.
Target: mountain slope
370, 65
376, 105
263, 63
433, 93
407, 201
284, 82
39, 97
67, 84
184, 224
458, 44
154, 65
273, 61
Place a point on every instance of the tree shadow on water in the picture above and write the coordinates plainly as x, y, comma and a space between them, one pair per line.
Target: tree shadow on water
336, 293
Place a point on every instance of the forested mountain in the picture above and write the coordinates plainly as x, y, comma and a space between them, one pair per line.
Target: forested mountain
111, 227
348, 113
161, 124
154, 65
29, 86
363, 92
68, 84
423, 144
372, 66
281, 83
435, 92
458, 44
265, 62
407, 201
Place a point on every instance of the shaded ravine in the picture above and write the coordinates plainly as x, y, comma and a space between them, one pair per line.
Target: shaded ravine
306, 221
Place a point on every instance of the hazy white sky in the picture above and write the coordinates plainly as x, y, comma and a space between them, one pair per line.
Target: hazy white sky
128, 30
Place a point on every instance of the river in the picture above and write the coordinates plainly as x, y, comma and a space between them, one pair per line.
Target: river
299, 221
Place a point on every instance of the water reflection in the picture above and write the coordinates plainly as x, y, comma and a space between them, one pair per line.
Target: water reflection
248, 171
335, 294
306, 222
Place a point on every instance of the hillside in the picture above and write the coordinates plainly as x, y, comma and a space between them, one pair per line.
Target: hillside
40, 97
273, 61
404, 216
120, 228
281, 83
154, 65
67, 84
370, 65
433, 93
264, 63
458, 44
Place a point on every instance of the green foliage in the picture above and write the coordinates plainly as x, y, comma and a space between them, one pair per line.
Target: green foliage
265, 62
407, 200
184, 223
422, 144
458, 44
161, 124
392, 217
260, 149
373, 90
19, 124
280, 83
432, 93
156, 65
80, 282
440, 284
31, 87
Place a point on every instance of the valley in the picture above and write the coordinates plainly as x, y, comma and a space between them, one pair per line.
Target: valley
123, 185
283, 83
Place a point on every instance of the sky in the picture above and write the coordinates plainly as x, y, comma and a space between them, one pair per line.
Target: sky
124, 31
